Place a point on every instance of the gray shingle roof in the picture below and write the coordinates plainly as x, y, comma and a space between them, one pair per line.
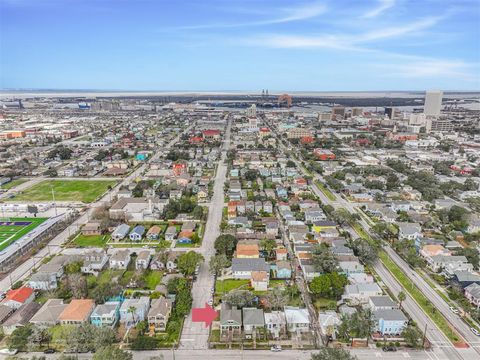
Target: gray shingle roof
253, 316
250, 265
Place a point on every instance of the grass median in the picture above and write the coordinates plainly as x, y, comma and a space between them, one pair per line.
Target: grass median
325, 191
421, 300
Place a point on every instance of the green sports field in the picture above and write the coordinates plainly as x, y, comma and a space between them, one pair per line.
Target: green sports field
65, 190
12, 229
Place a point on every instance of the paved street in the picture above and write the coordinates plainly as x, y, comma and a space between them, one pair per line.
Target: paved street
182, 354
54, 246
195, 335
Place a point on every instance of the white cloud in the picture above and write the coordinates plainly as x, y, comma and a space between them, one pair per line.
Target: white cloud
431, 68
299, 13
382, 6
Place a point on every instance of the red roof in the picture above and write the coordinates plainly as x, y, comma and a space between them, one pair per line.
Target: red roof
19, 295
211, 132
264, 129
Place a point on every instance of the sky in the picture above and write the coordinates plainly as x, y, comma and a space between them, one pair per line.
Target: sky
244, 45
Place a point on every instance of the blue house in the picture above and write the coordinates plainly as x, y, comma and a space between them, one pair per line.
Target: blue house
137, 233
141, 156
184, 240
390, 321
282, 270
234, 173
282, 192
106, 314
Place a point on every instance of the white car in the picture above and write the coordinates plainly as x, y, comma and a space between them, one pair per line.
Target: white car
276, 348
8, 351
475, 331
210, 302
454, 310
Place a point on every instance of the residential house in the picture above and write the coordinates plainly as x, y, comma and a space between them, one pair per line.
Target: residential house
43, 281
247, 250
465, 278
153, 233
259, 280
78, 311
170, 233
143, 260
18, 297
120, 259
472, 293
20, 318
243, 268
314, 215
120, 232
410, 231
329, 322
433, 250
439, 262
252, 320
281, 253
382, 302
106, 315
282, 269
360, 293
390, 322
276, 323
298, 319
351, 267
159, 314
230, 321
92, 228
321, 225
49, 313
94, 261
137, 233
134, 310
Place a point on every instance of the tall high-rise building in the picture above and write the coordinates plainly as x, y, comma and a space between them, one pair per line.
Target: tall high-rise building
433, 102
252, 111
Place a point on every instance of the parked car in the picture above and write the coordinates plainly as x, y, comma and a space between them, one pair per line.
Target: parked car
210, 302
389, 348
276, 348
49, 351
454, 310
475, 331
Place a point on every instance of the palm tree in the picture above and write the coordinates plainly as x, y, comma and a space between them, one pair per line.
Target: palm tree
132, 310
401, 297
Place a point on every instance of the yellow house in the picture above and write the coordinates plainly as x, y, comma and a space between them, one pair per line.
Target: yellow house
319, 226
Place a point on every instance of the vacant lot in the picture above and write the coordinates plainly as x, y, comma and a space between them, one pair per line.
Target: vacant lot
12, 229
65, 190
91, 240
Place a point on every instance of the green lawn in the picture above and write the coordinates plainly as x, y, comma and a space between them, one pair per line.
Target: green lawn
325, 191
325, 304
152, 279
224, 286
13, 183
418, 296
11, 232
91, 240
65, 190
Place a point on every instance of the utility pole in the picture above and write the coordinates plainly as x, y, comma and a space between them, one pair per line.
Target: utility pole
53, 198
424, 336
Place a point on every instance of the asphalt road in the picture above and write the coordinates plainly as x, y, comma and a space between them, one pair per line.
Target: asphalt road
362, 354
195, 335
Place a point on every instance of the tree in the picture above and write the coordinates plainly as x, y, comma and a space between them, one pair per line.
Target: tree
112, 352
239, 298
412, 336
323, 259
471, 254
333, 354
19, 338
77, 285
268, 245
277, 298
188, 262
225, 244
366, 252
218, 263
321, 285
401, 297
